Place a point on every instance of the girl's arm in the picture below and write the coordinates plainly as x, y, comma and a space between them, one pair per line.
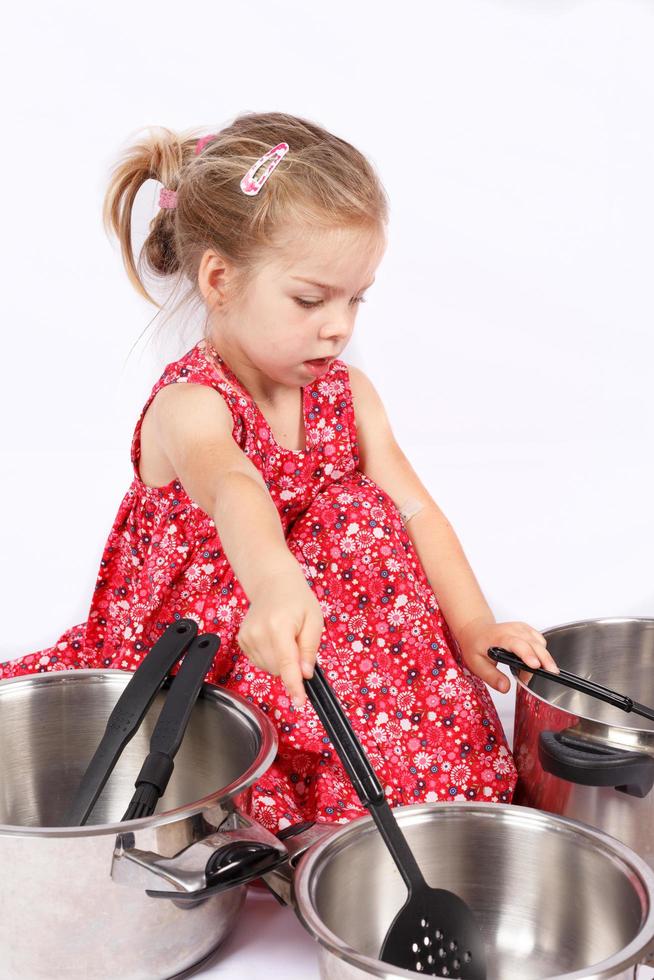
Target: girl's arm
459, 596
283, 625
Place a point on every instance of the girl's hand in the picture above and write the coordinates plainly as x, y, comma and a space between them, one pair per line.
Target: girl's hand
282, 628
520, 638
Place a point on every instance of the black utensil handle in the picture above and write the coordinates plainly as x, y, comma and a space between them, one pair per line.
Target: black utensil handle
363, 776
184, 690
579, 761
564, 677
237, 863
346, 743
171, 724
127, 714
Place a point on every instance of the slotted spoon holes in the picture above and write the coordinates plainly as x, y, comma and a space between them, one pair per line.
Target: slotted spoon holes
438, 956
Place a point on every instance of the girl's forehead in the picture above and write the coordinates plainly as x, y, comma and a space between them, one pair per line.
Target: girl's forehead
337, 256
315, 243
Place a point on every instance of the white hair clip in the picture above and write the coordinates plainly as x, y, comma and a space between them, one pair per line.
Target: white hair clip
251, 186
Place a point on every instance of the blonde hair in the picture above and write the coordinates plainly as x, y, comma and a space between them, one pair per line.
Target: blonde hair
322, 182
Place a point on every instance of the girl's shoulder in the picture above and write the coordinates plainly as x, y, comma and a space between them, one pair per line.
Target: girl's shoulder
195, 365
360, 384
372, 421
196, 368
187, 387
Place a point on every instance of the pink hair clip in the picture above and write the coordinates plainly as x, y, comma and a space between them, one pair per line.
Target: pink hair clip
251, 186
167, 198
202, 142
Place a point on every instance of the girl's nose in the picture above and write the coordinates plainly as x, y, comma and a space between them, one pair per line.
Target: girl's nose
337, 330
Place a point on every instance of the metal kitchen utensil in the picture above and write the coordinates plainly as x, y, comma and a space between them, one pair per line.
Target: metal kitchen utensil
502, 656
171, 724
128, 714
435, 932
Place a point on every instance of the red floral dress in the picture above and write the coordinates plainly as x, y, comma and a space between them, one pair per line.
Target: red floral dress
428, 725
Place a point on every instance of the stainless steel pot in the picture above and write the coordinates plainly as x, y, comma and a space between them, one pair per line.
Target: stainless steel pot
554, 897
74, 900
578, 756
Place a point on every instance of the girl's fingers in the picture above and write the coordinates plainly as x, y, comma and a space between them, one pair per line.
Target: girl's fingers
529, 633
533, 655
291, 674
308, 641
285, 652
486, 669
524, 650
549, 663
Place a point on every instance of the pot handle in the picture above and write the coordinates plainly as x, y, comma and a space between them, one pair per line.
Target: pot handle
298, 839
586, 763
231, 856
233, 864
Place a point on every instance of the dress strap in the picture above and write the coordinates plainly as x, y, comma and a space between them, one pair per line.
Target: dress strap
192, 368
344, 377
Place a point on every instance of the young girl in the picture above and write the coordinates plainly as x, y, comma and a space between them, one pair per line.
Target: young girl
270, 501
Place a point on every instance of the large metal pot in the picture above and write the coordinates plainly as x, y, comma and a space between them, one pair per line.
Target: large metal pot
74, 901
578, 756
554, 898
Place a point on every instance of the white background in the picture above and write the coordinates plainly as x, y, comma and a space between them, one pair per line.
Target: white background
509, 332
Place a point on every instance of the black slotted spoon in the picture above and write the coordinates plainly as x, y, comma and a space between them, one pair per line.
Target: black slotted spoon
435, 932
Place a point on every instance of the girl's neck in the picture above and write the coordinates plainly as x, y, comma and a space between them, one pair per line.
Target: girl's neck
257, 384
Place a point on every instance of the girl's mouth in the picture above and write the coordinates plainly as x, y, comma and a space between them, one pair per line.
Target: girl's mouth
318, 365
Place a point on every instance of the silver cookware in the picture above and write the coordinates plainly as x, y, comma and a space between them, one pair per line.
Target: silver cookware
579, 757
153, 898
554, 898
75, 900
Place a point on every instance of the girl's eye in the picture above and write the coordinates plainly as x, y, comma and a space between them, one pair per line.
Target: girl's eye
307, 305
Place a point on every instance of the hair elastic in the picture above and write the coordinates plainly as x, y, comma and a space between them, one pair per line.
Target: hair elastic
249, 184
167, 198
202, 142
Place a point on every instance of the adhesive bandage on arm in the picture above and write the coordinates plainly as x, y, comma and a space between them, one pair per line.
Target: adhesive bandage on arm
409, 509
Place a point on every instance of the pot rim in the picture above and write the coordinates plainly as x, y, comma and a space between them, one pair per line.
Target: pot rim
581, 623
630, 955
261, 763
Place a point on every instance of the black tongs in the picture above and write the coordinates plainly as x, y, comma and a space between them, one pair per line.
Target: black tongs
130, 709
171, 724
582, 684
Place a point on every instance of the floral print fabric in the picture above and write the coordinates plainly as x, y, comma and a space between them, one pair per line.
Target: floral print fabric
428, 725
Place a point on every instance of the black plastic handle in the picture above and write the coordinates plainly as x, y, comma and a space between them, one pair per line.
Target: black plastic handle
345, 741
363, 776
236, 863
499, 655
585, 763
184, 690
171, 725
128, 713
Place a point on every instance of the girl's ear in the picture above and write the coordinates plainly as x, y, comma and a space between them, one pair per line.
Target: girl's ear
213, 275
